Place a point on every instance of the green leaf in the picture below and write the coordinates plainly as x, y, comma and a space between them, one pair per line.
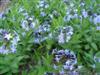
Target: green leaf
4, 70
87, 46
97, 67
89, 39
94, 46
89, 58
97, 54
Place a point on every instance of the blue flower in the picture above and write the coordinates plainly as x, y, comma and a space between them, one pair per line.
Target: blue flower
3, 50
96, 19
8, 36
98, 28
42, 14
24, 25
61, 38
84, 13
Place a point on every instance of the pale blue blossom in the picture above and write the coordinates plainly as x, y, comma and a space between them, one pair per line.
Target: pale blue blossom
13, 48
96, 20
61, 38
97, 59
30, 18
84, 13
82, 4
55, 66
50, 35
7, 36
73, 73
43, 4
32, 25
43, 14
3, 50
75, 10
24, 25
75, 15
36, 40
25, 14
69, 33
71, 4
21, 9
1, 14
98, 28
62, 72
68, 17
51, 16
68, 38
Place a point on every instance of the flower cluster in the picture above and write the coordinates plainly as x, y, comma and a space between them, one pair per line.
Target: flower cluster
43, 4
41, 30
9, 41
68, 60
41, 24
65, 34
28, 23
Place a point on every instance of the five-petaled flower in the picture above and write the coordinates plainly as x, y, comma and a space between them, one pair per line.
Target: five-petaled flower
8, 36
